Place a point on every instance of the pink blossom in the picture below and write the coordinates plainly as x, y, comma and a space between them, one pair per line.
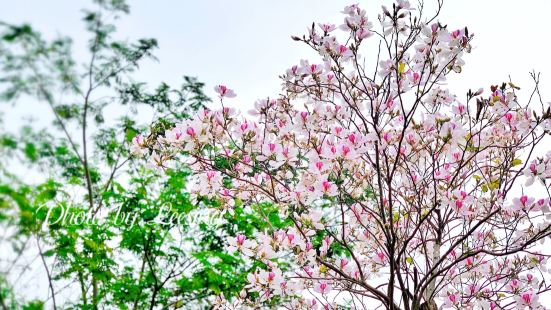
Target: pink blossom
514, 285
138, 146
360, 164
242, 244
322, 288
327, 27
223, 91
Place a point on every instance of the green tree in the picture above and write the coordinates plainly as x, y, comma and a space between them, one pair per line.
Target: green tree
131, 238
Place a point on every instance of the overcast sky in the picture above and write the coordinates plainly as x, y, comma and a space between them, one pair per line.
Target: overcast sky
246, 44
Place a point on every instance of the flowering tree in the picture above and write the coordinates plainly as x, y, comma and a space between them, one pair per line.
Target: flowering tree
398, 194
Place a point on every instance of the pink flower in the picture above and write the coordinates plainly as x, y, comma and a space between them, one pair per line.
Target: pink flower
139, 140
363, 33
138, 146
451, 299
343, 262
514, 285
223, 91
327, 188
458, 33
242, 244
327, 27
190, 131
326, 243
472, 289
313, 69
379, 258
459, 109
434, 28
522, 203
352, 138
344, 52
527, 299
322, 288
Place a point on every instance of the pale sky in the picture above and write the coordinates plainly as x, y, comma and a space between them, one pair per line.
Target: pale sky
246, 44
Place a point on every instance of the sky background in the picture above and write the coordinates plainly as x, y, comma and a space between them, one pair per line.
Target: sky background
246, 44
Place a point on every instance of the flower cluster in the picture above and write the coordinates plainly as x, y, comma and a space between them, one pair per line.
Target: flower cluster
395, 190
539, 169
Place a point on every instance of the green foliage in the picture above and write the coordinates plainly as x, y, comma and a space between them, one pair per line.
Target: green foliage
122, 235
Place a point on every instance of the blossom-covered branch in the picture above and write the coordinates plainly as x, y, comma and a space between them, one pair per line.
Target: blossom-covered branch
400, 194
